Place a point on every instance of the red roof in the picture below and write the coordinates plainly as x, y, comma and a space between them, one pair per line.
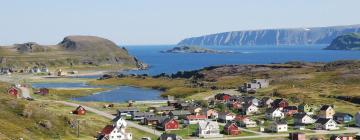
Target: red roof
107, 130
192, 117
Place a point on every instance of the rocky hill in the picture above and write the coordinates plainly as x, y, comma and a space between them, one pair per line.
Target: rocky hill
345, 42
72, 51
292, 36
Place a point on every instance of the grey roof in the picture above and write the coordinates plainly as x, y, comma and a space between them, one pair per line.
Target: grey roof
322, 120
270, 110
325, 107
143, 114
164, 108
299, 115
180, 112
156, 118
128, 109
279, 122
340, 114
205, 124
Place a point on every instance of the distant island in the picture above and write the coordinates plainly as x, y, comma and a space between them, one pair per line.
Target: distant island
345, 42
290, 36
193, 49
72, 51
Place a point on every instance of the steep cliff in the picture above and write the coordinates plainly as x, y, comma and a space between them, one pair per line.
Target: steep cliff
292, 36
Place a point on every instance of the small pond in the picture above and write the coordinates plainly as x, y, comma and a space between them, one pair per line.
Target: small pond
115, 94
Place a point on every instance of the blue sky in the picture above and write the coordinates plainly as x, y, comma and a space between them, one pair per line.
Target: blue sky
129, 22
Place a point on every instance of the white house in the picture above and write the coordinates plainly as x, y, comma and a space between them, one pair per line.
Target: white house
208, 129
247, 122
250, 109
326, 124
357, 119
226, 116
273, 113
302, 118
116, 131
278, 126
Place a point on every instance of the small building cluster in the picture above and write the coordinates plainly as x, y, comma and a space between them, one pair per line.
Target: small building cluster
115, 131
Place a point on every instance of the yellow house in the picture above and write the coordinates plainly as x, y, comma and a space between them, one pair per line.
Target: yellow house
326, 112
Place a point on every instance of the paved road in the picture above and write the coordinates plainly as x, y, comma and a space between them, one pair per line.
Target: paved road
317, 132
101, 113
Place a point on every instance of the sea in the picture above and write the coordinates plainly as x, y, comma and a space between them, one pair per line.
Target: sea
173, 62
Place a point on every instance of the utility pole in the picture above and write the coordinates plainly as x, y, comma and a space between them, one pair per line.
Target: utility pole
78, 128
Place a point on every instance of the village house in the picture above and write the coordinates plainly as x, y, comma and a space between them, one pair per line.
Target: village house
251, 100
231, 129
357, 119
302, 118
234, 104
115, 131
210, 113
222, 97
342, 117
138, 116
278, 126
327, 112
306, 108
166, 136
266, 102
274, 113
226, 116
254, 85
162, 109
290, 110
194, 119
249, 109
42, 91
168, 124
195, 110
245, 121
280, 103
183, 106
338, 137
154, 120
179, 114
127, 111
326, 124
297, 136
208, 129
79, 111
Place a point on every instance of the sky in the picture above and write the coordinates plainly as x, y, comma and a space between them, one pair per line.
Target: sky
146, 22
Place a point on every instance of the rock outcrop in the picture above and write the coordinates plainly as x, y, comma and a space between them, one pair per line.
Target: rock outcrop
292, 36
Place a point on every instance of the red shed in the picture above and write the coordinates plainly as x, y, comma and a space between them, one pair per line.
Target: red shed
79, 111
169, 124
13, 91
42, 91
222, 97
231, 129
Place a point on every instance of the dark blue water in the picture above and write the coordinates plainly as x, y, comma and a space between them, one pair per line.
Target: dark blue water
173, 62
123, 94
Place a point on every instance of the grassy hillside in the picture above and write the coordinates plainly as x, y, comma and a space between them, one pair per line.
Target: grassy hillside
345, 42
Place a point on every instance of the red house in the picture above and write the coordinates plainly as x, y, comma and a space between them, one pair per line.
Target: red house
13, 91
169, 124
280, 103
79, 111
42, 91
222, 97
231, 129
